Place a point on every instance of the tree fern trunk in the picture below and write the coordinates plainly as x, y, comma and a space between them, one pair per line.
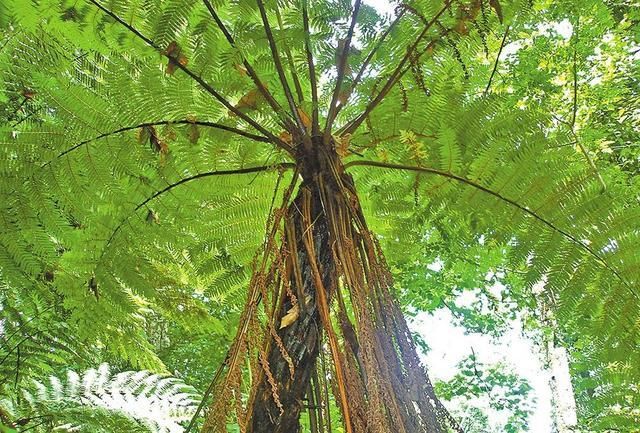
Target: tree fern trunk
301, 337
376, 376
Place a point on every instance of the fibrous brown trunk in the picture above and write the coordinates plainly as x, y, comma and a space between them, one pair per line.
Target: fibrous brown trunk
301, 338
324, 281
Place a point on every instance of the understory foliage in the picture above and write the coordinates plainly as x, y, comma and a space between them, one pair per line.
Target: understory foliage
147, 162
98, 401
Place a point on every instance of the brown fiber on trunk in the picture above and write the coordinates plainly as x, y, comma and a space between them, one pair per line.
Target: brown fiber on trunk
301, 338
322, 283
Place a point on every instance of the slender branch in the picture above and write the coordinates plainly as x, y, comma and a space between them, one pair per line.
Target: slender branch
19, 107
278, 65
281, 166
250, 71
395, 76
6, 43
495, 65
350, 127
292, 66
342, 64
198, 79
370, 56
37, 425
312, 70
15, 382
18, 345
208, 391
162, 122
507, 200
574, 112
25, 118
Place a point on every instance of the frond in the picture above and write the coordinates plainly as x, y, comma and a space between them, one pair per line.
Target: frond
101, 401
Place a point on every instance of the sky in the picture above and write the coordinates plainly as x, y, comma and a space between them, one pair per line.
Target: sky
450, 344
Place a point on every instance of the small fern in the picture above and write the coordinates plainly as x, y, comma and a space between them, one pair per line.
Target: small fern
100, 401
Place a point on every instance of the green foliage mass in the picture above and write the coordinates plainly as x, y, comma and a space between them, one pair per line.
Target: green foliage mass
122, 240
505, 392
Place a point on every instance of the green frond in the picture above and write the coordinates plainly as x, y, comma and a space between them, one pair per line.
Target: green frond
100, 401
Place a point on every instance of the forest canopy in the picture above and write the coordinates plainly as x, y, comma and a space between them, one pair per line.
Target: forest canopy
224, 215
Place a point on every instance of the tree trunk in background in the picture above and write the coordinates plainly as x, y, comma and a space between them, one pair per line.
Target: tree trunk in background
563, 404
562, 398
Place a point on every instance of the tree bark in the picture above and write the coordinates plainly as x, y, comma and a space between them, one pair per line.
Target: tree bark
300, 338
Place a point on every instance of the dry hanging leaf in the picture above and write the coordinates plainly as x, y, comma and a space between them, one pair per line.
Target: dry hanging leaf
169, 133
342, 145
286, 137
304, 117
48, 275
430, 49
495, 4
241, 69
290, 317
249, 101
193, 133
149, 133
152, 217
475, 9
28, 94
343, 95
176, 57
461, 27
339, 52
93, 287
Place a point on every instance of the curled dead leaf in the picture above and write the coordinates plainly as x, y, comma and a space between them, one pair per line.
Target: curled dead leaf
342, 145
149, 133
304, 117
495, 4
290, 317
176, 58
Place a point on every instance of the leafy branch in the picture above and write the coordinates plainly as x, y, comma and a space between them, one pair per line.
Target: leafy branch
214, 125
281, 166
250, 70
221, 99
278, 64
395, 76
495, 65
507, 200
342, 63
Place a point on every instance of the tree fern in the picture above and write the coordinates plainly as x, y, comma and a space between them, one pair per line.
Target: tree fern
146, 148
